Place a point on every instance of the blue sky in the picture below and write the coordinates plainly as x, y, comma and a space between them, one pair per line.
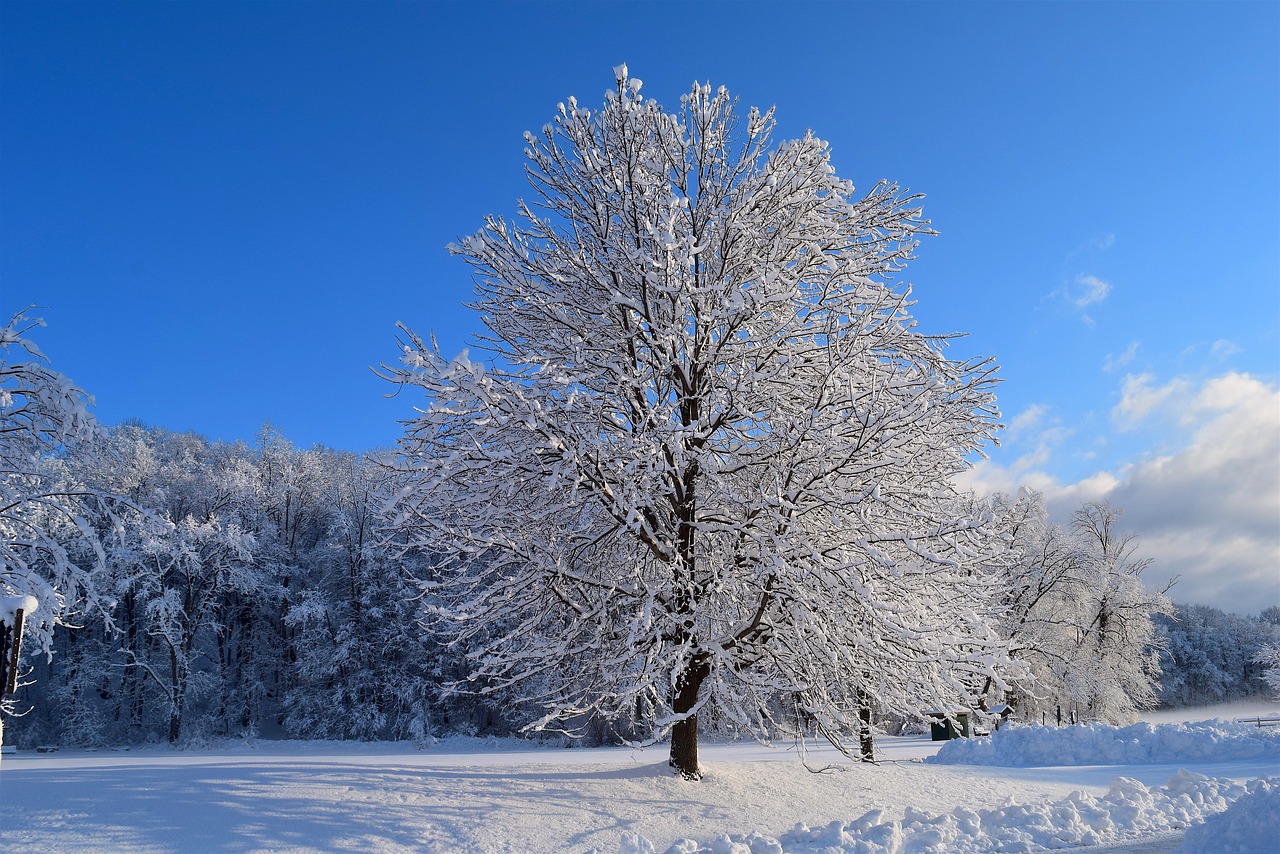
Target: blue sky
223, 209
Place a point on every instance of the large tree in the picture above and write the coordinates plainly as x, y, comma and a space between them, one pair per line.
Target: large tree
709, 461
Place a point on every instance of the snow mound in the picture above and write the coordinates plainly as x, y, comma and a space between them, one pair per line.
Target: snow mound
1129, 810
1251, 824
1100, 744
11, 605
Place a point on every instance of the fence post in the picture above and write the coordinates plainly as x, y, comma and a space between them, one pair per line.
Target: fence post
10, 638
13, 609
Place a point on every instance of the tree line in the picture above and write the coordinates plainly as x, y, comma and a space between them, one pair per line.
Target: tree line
240, 590
195, 589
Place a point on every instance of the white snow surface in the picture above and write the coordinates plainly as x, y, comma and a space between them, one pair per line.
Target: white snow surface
1251, 825
11, 605
512, 796
1128, 810
1100, 744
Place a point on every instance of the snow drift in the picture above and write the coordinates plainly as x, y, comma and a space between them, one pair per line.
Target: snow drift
1250, 825
1100, 744
1129, 810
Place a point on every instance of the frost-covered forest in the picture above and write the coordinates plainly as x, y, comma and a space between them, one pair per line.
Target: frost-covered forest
192, 589
704, 476
262, 595
1209, 656
242, 589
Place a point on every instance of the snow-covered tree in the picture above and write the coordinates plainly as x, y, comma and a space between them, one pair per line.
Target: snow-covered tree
1269, 658
1040, 575
1076, 612
194, 570
256, 595
48, 548
1211, 656
1117, 666
51, 523
181, 587
709, 462
363, 668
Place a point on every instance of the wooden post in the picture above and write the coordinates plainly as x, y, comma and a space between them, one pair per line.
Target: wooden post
10, 646
4, 658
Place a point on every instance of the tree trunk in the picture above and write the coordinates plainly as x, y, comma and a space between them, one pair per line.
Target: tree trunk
684, 735
866, 741
176, 697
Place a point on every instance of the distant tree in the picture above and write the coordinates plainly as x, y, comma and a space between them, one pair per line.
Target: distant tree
1040, 575
710, 462
255, 594
363, 668
1075, 611
1269, 658
180, 587
1116, 667
1210, 656
194, 570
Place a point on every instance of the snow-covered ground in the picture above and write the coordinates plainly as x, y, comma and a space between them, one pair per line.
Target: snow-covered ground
506, 796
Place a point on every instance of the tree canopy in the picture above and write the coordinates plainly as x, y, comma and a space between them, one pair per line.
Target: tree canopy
708, 462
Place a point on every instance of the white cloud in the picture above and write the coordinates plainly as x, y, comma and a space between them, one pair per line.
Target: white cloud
1139, 399
1089, 290
1033, 429
1209, 510
1224, 349
1045, 444
1113, 361
1083, 291
1026, 420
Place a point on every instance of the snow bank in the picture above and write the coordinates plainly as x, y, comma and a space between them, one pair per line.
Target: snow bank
1127, 811
1100, 744
1251, 824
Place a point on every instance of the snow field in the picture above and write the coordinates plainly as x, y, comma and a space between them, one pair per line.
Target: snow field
482, 796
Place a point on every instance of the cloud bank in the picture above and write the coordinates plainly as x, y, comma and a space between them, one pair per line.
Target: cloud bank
1208, 511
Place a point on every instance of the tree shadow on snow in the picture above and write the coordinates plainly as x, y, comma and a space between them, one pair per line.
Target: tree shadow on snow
249, 806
